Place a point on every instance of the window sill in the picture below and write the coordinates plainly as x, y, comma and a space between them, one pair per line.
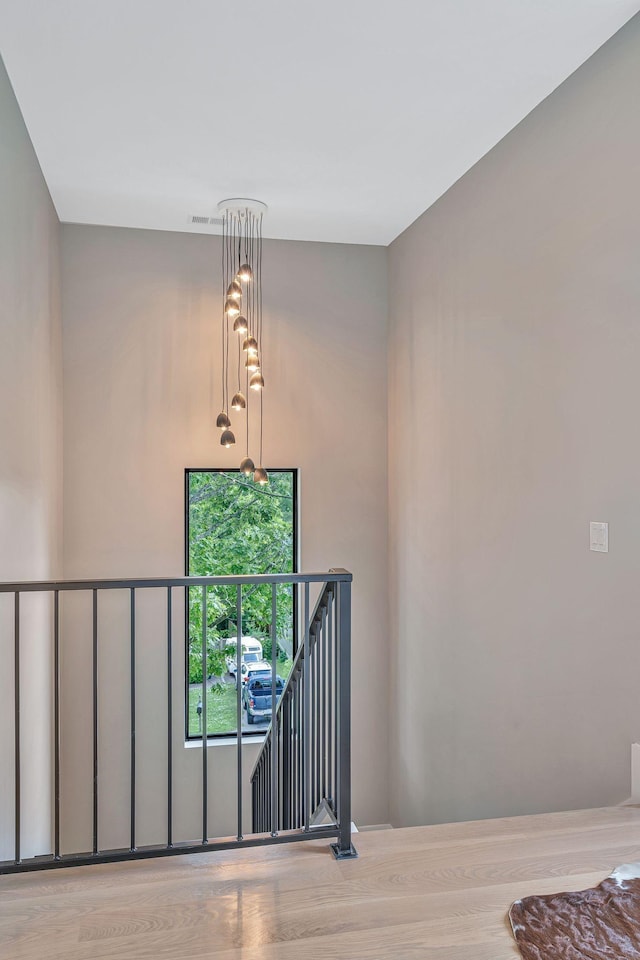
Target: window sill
231, 741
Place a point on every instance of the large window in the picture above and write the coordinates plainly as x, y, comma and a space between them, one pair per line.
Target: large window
235, 526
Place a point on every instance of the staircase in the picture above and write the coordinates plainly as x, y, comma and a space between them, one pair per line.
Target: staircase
302, 775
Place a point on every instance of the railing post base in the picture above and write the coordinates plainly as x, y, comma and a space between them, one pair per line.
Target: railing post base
344, 853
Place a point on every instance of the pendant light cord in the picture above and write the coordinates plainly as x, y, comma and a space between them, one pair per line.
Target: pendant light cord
248, 405
225, 231
261, 419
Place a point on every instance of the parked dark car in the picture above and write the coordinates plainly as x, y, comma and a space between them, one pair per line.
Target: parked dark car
256, 697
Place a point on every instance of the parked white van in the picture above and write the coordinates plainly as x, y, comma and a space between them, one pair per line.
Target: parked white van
251, 653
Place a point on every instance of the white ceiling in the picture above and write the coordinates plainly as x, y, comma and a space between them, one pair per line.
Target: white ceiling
348, 117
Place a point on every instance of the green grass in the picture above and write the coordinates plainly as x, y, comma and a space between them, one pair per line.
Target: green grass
221, 705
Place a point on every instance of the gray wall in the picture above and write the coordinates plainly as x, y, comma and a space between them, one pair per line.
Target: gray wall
513, 422
31, 454
141, 392
514, 348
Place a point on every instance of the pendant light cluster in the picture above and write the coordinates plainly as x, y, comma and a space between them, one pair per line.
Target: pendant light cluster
242, 369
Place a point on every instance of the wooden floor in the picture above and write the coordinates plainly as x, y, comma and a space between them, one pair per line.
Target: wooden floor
429, 892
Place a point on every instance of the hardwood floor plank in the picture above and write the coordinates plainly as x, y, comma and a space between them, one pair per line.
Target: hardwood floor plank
438, 893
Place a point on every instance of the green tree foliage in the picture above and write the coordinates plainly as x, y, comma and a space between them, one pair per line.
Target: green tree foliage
238, 527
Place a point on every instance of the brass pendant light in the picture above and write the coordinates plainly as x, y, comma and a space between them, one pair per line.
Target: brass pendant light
242, 315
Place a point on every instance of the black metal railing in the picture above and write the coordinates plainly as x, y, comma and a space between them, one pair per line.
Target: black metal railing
301, 778
303, 770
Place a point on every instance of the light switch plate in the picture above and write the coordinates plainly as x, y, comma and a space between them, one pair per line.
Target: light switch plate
599, 537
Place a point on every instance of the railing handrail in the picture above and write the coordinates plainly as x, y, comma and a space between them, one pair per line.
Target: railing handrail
50, 586
310, 768
321, 602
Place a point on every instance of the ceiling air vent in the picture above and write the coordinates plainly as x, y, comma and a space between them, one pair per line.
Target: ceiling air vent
205, 221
